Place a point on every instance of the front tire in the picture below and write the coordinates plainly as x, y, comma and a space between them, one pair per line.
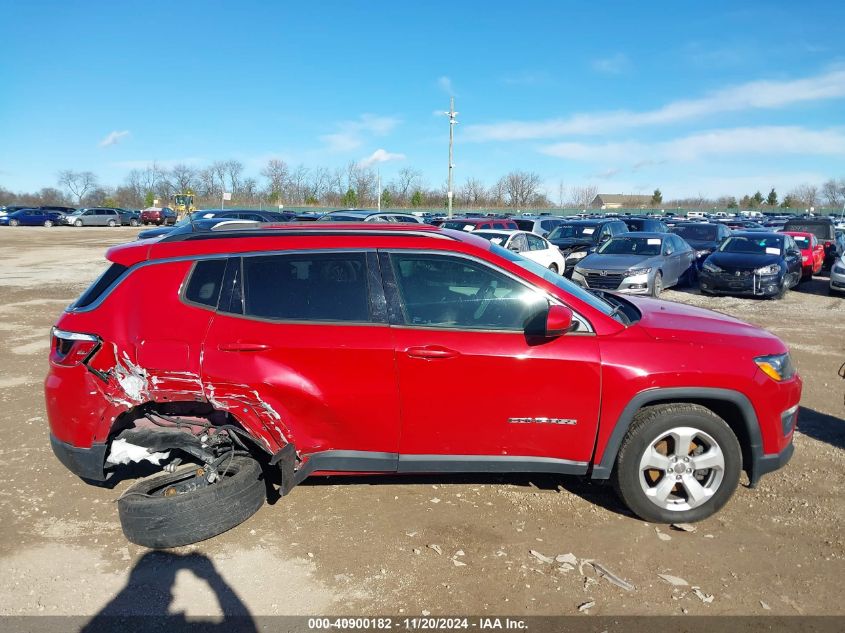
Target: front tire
156, 512
133, 222
678, 463
78, 223
14, 222
48, 223
657, 284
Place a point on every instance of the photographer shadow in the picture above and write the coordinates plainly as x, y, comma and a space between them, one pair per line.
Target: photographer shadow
144, 603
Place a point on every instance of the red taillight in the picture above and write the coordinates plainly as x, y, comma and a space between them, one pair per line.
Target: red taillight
69, 349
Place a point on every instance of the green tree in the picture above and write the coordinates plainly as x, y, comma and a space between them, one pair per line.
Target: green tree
788, 202
745, 202
772, 198
757, 199
386, 199
732, 203
349, 199
657, 198
148, 198
417, 199
111, 203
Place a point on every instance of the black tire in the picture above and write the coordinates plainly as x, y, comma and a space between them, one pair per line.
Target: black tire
657, 284
553, 267
648, 426
159, 521
133, 222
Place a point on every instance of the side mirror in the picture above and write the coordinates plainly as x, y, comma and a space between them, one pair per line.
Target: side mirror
558, 321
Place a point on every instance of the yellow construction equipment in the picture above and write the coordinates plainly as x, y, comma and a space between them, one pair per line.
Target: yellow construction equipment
183, 203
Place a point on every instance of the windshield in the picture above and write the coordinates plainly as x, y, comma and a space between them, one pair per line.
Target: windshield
702, 233
821, 231
565, 231
645, 246
495, 237
769, 245
563, 283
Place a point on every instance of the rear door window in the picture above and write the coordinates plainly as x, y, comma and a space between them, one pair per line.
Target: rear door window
535, 243
205, 283
307, 287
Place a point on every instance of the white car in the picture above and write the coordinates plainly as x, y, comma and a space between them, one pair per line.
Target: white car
530, 245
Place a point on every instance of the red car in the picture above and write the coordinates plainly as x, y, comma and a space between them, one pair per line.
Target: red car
158, 216
307, 349
812, 252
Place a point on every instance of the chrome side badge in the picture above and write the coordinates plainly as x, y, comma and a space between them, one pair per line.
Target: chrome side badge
564, 421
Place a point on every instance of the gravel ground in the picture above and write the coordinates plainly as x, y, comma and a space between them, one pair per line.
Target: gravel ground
415, 545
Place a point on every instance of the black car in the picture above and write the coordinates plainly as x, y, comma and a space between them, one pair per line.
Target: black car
129, 217
824, 229
754, 264
645, 225
704, 237
577, 238
220, 214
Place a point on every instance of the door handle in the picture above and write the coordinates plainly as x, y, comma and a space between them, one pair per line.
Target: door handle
242, 347
431, 352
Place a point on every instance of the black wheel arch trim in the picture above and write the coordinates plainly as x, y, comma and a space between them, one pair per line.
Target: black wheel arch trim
759, 463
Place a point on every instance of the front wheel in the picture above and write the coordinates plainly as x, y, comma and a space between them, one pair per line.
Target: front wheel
133, 222
173, 509
14, 222
678, 463
48, 223
78, 223
657, 284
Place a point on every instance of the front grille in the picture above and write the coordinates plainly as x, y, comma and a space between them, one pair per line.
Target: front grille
604, 281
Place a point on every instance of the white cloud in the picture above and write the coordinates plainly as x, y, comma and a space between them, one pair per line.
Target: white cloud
380, 156
445, 84
763, 140
754, 95
113, 138
613, 65
351, 135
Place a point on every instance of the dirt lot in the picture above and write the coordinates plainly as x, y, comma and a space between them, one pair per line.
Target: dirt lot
439, 545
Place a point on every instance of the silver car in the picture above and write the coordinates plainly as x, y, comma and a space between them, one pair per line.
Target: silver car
98, 216
837, 276
638, 263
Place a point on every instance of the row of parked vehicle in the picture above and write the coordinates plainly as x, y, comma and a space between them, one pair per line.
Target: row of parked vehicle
90, 216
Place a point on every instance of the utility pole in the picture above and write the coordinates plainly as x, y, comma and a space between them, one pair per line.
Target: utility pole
452, 122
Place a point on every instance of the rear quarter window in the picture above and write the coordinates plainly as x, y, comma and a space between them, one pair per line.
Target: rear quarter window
205, 282
95, 290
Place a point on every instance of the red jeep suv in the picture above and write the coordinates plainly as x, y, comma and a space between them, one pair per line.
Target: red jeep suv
301, 349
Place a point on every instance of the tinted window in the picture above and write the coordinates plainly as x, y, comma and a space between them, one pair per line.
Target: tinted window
99, 286
701, 232
308, 287
823, 231
525, 225
443, 291
205, 283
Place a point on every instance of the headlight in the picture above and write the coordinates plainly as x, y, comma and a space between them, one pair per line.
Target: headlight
710, 267
839, 270
637, 271
778, 367
577, 254
773, 269
702, 253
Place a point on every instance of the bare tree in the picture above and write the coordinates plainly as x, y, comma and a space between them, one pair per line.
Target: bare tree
276, 173
832, 191
584, 196
807, 195
233, 169
183, 178
78, 183
473, 192
406, 182
521, 187
298, 184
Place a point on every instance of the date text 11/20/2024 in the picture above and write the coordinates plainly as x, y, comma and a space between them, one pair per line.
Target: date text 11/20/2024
417, 623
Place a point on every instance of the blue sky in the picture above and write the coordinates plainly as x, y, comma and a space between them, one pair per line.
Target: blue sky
695, 98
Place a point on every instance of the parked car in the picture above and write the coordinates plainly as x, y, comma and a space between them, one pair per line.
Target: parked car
31, 217
812, 252
540, 224
645, 225
93, 216
577, 238
12, 208
365, 215
301, 370
160, 216
703, 237
129, 217
528, 245
477, 224
756, 264
824, 230
638, 263
837, 276
218, 214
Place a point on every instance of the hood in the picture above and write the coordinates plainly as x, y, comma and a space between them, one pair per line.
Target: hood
597, 261
666, 320
743, 261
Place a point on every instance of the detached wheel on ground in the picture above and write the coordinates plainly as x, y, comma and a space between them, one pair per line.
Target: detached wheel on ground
173, 509
678, 463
